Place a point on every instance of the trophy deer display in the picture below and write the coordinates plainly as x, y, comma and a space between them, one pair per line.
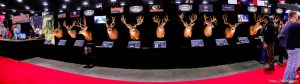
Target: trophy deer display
111, 31
160, 31
87, 34
209, 25
229, 32
58, 31
71, 32
133, 31
254, 28
188, 26
275, 19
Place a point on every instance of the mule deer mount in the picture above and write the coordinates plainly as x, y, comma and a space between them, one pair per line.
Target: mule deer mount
133, 31
209, 24
71, 32
229, 32
111, 31
188, 26
160, 31
58, 31
81, 23
254, 28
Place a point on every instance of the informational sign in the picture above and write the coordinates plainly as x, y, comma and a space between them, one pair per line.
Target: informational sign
134, 44
228, 8
156, 8
265, 10
205, 8
117, 9
197, 43
62, 42
185, 7
160, 44
252, 9
47, 42
107, 44
79, 43
221, 42
243, 18
136, 9
62, 15
243, 40
89, 12
100, 19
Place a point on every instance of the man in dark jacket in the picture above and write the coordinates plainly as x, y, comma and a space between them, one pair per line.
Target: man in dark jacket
269, 37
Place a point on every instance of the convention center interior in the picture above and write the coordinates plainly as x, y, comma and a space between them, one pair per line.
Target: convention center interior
149, 41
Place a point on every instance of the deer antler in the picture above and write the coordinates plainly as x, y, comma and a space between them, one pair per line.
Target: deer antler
140, 20
213, 20
156, 19
181, 16
123, 19
113, 21
225, 19
193, 18
58, 25
166, 19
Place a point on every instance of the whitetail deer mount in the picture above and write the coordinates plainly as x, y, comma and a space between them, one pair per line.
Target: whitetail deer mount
188, 26
81, 23
71, 32
160, 31
58, 31
133, 31
275, 19
209, 24
229, 32
254, 28
111, 31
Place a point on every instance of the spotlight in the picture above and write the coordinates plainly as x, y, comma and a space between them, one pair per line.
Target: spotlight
45, 3
3, 13
99, 5
204, 2
64, 6
27, 7
85, 3
13, 10
113, 0
20, 1
78, 8
32, 12
122, 3
67, 0
150, 2
46, 9
177, 2
61, 11
2, 5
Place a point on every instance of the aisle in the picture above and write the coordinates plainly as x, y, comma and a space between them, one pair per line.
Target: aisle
15, 72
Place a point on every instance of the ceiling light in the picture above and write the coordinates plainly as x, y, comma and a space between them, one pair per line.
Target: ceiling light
32, 12
27, 7
150, 2
113, 0
20, 1
78, 8
45, 3
122, 3
99, 5
177, 2
2, 5
46, 9
64, 6
3, 13
67, 0
85, 3
61, 10
204, 2
13, 10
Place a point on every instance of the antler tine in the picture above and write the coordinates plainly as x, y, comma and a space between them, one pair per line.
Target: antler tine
215, 20
84, 21
123, 19
166, 18
193, 18
113, 21
58, 25
140, 20
156, 19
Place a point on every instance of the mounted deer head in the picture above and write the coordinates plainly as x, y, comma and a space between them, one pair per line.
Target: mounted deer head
160, 31
87, 34
71, 32
209, 24
58, 32
188, 26
111, 31
275, 19
229, 32
134, 33
254, 28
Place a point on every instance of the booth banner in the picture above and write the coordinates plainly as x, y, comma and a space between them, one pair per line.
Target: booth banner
20, 19
89, 12
156, 8
62, 15
48, 27
136, 9
36, 22
117, 9
185, 7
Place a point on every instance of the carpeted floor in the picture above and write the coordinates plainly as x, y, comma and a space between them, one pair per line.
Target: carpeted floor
16, 72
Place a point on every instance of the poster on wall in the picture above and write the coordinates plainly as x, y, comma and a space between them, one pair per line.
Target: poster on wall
100, 19
62, 15
107, 44
136, 9
185, 7
74, 14
134, 44
205, 8
117, 9
243, 18
160, 44
36, 23
48, 27
156, 8
221, 42
197, 43
228, 8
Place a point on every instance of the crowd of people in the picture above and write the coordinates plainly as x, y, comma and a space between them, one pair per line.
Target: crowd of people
13, 32
287, 35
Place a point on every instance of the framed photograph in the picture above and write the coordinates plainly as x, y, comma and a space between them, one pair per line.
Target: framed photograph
79, 43
47, 42
107, 44
134, 44
197, 43
160, 44
221, 42
243, 40
62, 42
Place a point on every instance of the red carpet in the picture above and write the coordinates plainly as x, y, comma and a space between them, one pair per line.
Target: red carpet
15, 72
